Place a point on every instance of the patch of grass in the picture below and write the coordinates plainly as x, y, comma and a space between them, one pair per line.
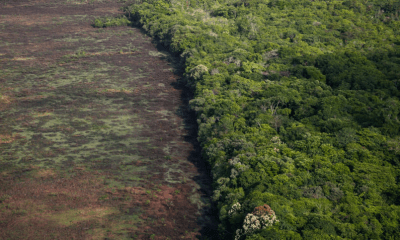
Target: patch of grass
19, 212
4, 197
73, 57
184, 180
73, 216
22, 58
157, 54
80, 54
96, 127
111, 22
103, 197
44, 173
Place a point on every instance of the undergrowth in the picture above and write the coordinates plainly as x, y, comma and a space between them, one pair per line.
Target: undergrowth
111, 22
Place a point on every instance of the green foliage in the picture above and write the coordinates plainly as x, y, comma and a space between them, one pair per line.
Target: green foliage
298, 107
111, 22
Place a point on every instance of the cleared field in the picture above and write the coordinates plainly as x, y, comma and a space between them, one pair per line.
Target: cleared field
96, 140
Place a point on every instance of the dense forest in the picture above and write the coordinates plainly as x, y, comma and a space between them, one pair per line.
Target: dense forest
298, 111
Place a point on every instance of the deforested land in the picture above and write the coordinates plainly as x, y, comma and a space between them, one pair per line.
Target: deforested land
96, 137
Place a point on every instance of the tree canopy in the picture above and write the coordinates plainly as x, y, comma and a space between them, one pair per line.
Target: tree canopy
298, 111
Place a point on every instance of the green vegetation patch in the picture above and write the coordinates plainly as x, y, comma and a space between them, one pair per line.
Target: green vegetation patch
111, 22
73, 117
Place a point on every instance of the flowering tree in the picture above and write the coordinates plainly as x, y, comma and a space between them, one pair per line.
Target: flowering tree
262, 217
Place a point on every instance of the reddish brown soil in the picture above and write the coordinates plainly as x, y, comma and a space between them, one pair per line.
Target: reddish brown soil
72, 198
27, 213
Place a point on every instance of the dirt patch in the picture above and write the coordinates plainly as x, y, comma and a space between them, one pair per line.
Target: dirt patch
4, 102
28, 20
42, 204
37, 202
6, 138
107, 10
